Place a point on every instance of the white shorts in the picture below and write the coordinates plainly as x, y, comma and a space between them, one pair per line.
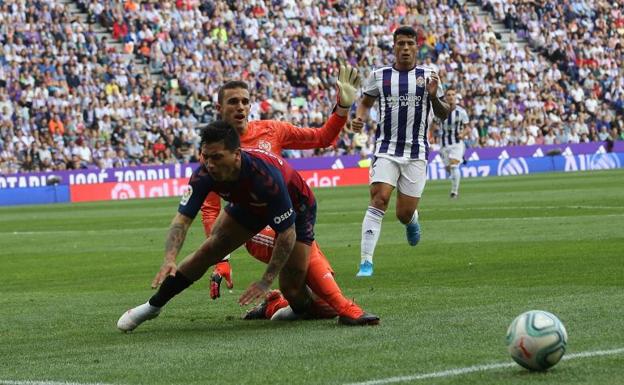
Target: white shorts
454, 151
408, 177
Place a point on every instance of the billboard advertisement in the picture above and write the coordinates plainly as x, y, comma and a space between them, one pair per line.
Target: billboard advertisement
175, 171
146, 182
177, 186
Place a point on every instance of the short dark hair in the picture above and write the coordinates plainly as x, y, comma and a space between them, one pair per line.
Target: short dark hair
232, 84
405, 30
220, 131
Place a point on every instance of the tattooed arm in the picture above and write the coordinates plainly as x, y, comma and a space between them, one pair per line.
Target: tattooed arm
176, 235
284, 244
175, 239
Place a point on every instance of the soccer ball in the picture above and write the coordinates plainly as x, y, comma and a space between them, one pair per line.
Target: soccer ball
536, 340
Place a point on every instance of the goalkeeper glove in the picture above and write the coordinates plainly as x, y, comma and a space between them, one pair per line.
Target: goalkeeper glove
222, 270
348, 85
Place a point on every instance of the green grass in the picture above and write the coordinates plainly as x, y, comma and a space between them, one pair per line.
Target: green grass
509, 244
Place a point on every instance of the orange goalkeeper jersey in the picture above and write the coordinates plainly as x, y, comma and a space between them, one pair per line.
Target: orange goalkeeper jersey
274, 136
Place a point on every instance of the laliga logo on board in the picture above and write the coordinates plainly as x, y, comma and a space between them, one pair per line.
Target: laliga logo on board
123, 191
513, 166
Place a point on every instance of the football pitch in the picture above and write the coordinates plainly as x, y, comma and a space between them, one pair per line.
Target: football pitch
552, 242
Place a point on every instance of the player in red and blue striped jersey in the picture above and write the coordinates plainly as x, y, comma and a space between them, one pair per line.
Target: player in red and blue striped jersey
261, 190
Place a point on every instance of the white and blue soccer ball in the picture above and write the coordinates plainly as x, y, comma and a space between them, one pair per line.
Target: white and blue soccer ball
536, 340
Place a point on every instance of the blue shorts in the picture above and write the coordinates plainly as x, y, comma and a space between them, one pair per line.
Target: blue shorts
304, 221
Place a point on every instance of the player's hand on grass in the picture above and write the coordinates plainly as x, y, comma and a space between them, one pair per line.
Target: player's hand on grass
167, 269
357, 124
348, 85
257, 290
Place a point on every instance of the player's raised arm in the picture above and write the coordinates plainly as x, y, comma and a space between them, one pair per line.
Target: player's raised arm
294, 137
441, 109
175, 239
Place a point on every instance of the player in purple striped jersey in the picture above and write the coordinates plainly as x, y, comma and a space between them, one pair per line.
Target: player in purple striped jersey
453, 130
409, 95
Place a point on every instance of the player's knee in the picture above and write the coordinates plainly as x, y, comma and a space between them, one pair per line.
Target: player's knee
380, 202
405, 215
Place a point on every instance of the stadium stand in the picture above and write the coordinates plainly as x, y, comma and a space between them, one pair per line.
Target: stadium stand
111, 83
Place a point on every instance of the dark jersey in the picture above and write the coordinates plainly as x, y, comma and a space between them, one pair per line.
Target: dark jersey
267, 188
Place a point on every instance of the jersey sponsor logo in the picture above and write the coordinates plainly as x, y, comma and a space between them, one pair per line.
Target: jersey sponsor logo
186, 195
283, 217
404, 100
264, 145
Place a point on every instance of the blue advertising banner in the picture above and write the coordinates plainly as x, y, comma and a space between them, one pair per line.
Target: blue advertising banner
524, 166
34, 195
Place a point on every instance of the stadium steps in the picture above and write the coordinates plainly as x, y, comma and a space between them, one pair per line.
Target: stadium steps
100, 32
498, 27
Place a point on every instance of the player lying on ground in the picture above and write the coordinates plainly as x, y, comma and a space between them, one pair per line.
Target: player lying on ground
328, 300
262, 190
270, 135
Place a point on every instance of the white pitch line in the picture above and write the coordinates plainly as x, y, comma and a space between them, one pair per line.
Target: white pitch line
478, 368
389, 380
7, 382
488, 208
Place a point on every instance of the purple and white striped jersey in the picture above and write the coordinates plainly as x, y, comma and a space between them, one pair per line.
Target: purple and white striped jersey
452, 126
404, 111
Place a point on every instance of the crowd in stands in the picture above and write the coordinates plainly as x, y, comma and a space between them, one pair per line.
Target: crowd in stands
71, 97
584, 42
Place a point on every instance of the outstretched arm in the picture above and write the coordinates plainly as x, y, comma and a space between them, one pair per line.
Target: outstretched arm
175, 239
284, 244
309, 138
